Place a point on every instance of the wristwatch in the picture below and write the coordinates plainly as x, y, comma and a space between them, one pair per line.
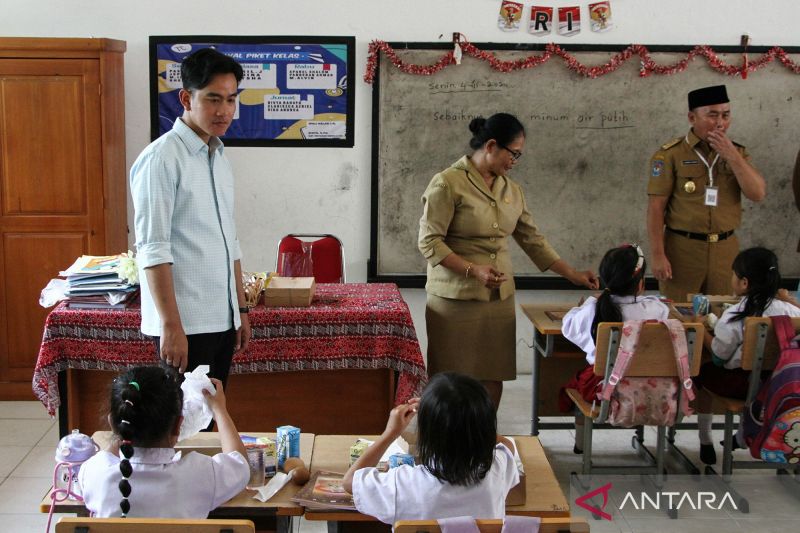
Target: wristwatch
244, 310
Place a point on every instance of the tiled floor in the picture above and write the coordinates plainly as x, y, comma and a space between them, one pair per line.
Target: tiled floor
28, 439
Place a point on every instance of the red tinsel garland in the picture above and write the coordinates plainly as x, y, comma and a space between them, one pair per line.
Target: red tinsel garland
648, 65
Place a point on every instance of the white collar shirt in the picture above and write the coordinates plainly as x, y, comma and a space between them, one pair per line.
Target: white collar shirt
183, 199
164, 484
728, 336
577, 323
412, 493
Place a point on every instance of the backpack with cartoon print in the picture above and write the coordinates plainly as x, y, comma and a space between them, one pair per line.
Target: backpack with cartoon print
771, 423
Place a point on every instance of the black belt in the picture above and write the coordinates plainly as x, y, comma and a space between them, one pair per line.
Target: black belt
707, 237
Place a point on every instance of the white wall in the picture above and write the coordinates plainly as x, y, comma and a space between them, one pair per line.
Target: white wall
282, 190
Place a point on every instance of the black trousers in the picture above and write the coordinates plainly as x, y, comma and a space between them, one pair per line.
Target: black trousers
212, 349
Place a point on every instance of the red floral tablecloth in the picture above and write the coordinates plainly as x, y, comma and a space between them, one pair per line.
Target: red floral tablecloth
353, 325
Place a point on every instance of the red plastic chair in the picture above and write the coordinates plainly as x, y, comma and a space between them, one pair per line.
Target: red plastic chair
327, 255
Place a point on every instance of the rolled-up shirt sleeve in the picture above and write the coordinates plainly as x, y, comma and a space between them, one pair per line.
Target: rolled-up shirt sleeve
533, 243
728, 336
375, 493
438, 208
231, 474
153, 191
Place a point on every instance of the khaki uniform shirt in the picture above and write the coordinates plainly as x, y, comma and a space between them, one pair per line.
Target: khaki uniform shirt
461, 215
678, 172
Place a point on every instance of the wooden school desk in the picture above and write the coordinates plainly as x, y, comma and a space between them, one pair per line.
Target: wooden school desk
274, 514
305, 366
543, 494
555, 357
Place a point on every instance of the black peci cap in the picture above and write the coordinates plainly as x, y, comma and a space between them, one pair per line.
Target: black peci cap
716, 94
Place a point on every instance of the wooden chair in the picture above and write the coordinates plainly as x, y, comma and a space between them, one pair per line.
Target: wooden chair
654, 358
548, 525
760, 352
152, 525
327, 255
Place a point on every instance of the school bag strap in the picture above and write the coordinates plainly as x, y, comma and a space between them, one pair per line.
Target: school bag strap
458, 524
681, 351
631, 330
784, 331
521, 524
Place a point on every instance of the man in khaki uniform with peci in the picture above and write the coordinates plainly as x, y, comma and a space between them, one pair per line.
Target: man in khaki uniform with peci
695, 189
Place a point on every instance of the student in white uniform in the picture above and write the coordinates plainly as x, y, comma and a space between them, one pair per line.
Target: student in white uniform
622, 276
141, 474
465, 468
756, 279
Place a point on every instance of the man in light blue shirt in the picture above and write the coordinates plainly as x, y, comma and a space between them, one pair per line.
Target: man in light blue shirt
193, 300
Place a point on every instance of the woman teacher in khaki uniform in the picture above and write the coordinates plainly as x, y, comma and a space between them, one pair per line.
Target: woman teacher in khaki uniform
468, 211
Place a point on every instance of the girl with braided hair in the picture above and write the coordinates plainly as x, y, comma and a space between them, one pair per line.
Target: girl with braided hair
140, 474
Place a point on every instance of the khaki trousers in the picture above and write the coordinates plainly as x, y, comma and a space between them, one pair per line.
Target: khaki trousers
698, 266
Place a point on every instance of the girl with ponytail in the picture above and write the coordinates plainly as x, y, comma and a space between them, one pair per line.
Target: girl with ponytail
140, 474
622, 278
757, 280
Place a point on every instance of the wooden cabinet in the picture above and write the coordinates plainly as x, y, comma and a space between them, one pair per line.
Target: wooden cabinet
62, 179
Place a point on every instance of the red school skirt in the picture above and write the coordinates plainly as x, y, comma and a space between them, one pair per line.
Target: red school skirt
587, 384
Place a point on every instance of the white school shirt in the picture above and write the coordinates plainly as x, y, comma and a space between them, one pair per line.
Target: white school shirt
577, 323
184, 215
727, 343
412, 493
164, 484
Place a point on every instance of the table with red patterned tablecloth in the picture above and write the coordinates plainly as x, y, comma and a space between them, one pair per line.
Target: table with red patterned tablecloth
348, 326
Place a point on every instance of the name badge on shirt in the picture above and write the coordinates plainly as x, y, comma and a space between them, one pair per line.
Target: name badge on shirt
711, 196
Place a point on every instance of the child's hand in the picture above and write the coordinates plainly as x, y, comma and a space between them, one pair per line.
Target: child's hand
216, 401
787, 297
400, 417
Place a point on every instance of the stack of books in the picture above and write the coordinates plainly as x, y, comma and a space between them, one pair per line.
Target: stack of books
94, 283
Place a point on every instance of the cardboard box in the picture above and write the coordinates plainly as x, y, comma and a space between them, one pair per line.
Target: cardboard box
289, 292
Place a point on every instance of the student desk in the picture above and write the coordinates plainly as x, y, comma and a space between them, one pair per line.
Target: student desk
543, 494
274, 514
305, 366
559, 359
554, 356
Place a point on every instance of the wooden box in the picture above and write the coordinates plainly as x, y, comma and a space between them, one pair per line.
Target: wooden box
289, 292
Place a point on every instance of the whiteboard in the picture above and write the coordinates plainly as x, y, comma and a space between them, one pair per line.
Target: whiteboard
588, 145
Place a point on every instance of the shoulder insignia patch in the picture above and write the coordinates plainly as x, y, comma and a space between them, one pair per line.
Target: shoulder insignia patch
658, 167
670, 144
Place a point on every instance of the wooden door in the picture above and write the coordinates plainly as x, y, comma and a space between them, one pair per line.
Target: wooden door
51, 192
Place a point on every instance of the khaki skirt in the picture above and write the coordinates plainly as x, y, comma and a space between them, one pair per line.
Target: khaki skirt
472, 337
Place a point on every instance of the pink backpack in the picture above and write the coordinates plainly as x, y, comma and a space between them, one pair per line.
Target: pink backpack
647, 401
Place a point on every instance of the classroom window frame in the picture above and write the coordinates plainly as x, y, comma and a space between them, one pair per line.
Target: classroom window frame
157, 107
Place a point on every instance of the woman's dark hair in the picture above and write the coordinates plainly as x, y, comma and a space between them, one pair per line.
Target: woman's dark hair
760, 267
501, 127
145, 404
198, 69
620, 274
457, 429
